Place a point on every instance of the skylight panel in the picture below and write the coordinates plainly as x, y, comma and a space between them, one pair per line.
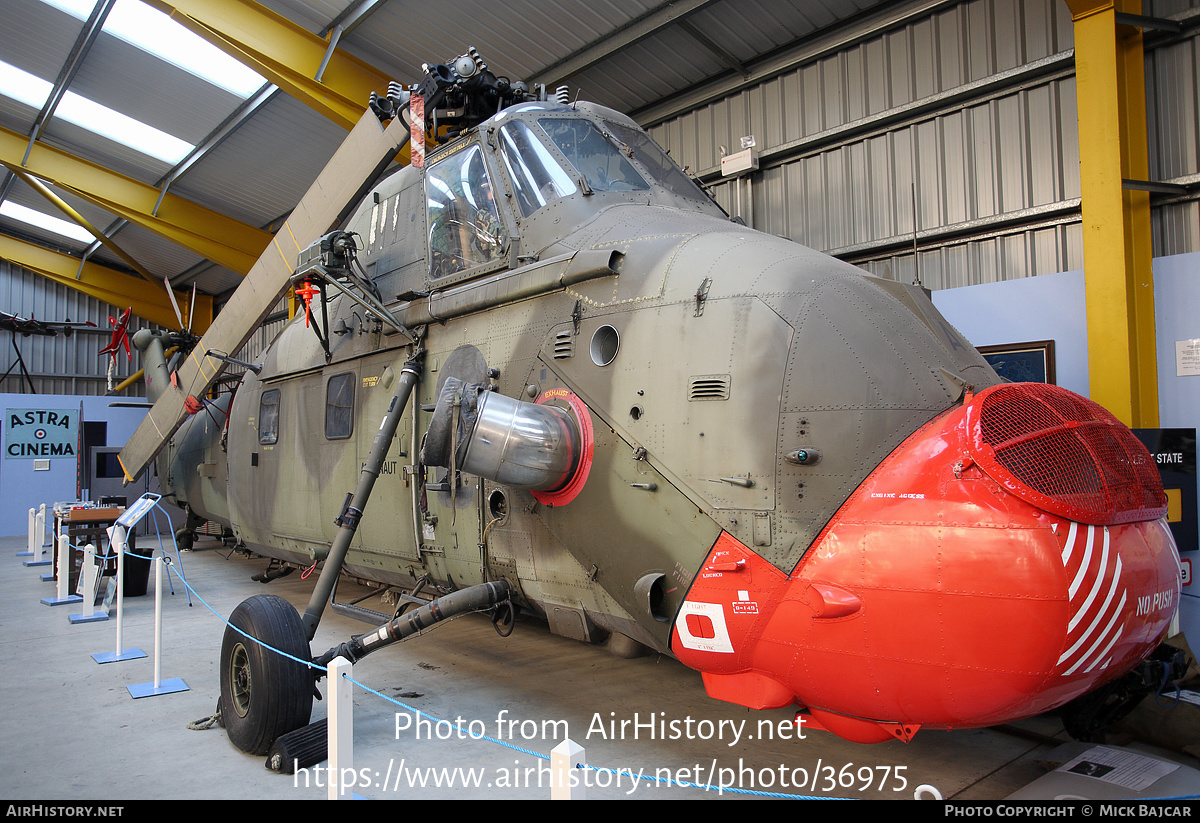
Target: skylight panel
33, 91
23, 86
154, 32
122, 129
44, 221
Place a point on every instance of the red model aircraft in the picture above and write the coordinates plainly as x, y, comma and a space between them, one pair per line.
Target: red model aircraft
120, 336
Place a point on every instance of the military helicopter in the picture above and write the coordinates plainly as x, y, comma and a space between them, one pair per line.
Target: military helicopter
608, 404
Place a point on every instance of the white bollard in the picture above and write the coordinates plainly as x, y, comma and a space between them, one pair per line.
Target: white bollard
37, 538
48, 545
566, 780
87, 584
158, 686
340, 729
64, 576
116, 543
28, 537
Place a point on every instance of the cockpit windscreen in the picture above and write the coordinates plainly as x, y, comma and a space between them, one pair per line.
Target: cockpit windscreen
592, 155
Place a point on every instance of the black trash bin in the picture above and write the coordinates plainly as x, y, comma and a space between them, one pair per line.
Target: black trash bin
137, 572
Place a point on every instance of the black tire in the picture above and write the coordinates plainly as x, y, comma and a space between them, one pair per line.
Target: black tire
264, 694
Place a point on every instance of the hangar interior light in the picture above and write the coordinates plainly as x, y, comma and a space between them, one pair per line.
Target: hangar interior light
154, 32
33, 91
46, 222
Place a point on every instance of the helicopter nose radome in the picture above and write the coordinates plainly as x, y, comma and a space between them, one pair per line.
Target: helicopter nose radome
1008, 557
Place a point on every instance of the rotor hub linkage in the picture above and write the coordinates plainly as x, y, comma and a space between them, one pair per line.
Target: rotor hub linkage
463, 92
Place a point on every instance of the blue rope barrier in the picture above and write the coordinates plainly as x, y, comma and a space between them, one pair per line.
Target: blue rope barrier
435, 720
598, 769
203, 602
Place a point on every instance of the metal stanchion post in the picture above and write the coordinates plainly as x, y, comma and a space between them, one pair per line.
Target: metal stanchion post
566, 782
116, 542
37, 537
340, 728
28, 537
158, 686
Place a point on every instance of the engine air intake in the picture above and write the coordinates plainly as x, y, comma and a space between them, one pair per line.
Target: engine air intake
1064, 454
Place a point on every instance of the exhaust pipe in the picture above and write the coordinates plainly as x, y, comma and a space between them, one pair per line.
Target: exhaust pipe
524, 445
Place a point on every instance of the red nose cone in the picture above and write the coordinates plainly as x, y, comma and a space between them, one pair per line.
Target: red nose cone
948, 591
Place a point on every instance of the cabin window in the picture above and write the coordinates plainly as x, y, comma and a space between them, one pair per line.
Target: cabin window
465, 229
268, 417
536, 176
339, 406
592, 155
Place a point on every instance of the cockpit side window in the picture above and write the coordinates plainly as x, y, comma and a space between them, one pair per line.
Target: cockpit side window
537, 178
592, 155
465, 229
652, 158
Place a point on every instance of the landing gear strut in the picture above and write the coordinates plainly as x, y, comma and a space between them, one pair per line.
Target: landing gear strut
264, 693
1088, 716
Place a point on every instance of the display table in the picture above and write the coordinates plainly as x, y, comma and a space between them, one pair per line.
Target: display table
91, 525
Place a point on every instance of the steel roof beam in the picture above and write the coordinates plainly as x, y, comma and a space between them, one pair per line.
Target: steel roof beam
103, 283
221, 239
285, 53
218, 136
60, 204
627, 35
819, 43
83, 44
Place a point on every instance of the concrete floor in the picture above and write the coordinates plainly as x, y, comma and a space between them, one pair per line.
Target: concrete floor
72, 730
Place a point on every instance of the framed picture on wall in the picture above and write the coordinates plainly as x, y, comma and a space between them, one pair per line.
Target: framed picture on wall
1031, 362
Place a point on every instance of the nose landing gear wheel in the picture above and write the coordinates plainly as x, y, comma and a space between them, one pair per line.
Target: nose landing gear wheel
264, 694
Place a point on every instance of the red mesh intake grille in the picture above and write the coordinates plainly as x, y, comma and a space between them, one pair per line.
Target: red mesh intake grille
1064, 454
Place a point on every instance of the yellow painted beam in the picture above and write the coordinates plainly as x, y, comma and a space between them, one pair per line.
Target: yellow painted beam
210, 234
1110, 87
286, 54
60, 204
106, 285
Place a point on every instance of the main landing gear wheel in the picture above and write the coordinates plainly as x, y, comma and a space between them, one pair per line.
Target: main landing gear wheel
263, 693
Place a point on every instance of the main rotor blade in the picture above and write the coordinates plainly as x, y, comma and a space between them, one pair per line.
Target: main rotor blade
174, 303
364, 154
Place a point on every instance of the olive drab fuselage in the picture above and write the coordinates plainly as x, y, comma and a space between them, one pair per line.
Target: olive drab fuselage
728, 394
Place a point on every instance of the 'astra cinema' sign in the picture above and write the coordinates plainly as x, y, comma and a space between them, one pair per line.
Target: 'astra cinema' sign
40, 433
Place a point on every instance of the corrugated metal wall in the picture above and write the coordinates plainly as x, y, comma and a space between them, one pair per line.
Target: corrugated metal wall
964, 115
72, 365
59, 365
